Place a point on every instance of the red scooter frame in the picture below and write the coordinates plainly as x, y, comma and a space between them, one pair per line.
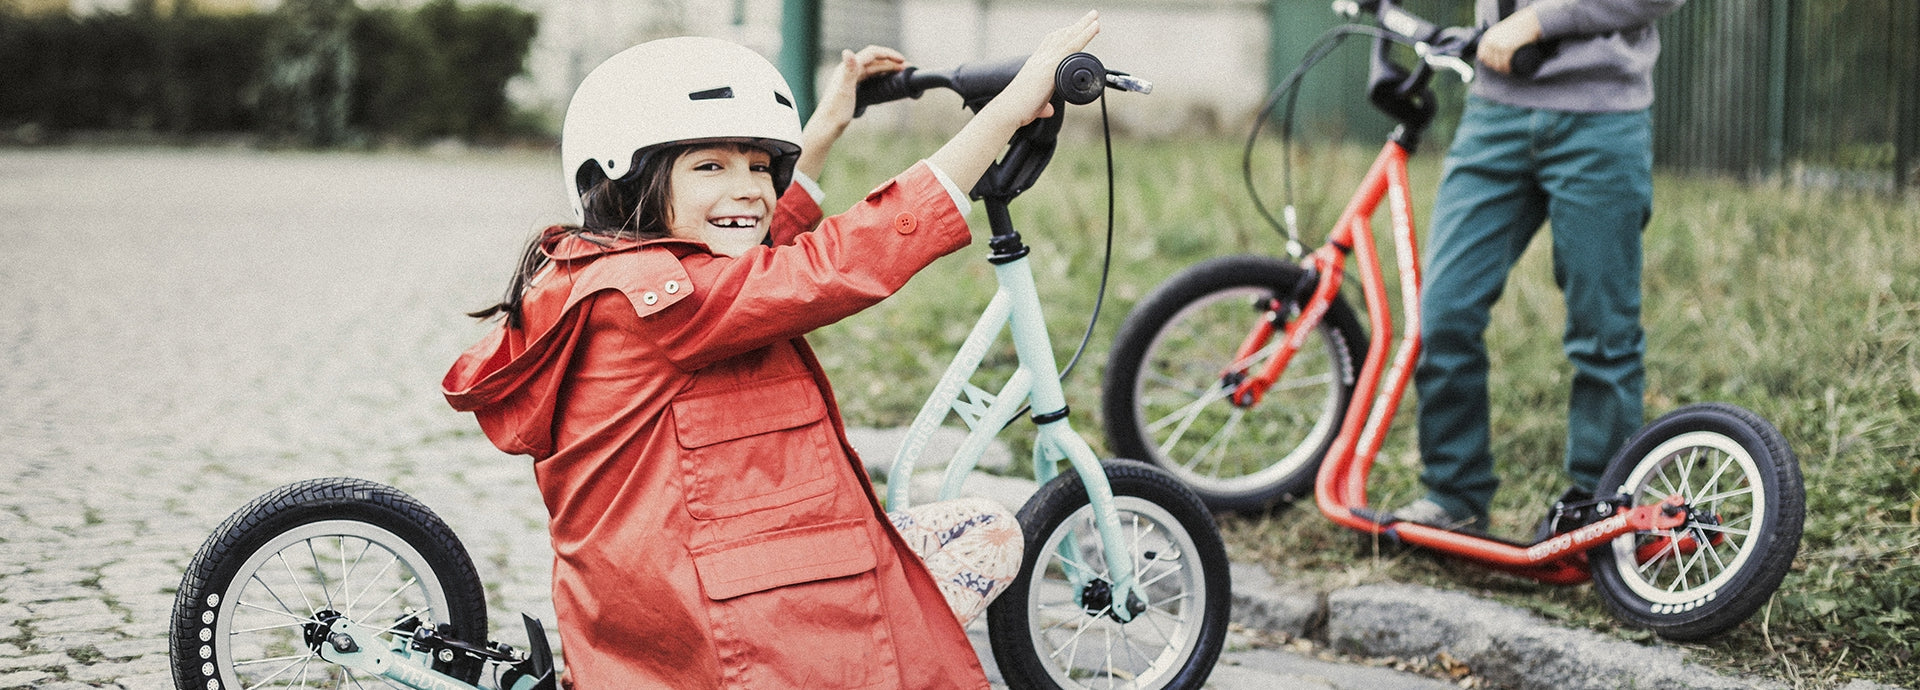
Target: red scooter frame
1340, 489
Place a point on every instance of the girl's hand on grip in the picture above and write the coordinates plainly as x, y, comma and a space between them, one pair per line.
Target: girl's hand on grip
1030, 95
966, 157
835, 110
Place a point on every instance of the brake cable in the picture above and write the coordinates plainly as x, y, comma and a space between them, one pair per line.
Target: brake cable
1290, 89
1106, 260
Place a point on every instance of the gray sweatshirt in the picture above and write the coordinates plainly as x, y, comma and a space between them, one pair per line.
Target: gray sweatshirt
1604, 62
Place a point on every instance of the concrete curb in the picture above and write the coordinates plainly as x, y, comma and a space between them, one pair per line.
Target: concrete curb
1507, 646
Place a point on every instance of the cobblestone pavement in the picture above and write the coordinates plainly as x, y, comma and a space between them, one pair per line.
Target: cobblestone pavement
181, 331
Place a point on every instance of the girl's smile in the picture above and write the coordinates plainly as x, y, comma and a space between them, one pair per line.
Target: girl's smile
721, 195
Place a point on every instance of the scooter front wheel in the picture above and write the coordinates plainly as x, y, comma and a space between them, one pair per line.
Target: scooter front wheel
1057, 626
264, 581
1741, 485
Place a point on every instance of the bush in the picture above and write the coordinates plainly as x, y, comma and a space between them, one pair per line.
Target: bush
314, 72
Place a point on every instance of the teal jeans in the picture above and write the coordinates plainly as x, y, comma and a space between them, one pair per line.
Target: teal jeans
1511, 169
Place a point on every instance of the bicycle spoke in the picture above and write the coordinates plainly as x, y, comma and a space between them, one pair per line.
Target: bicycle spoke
1666, 480
1185, 416
1074, 642
276, 674
1686, 567
1718, 471
1686, 470
284, 608
281, 626
325, 592
304, 667
1723, 529
1216, 447
281, 612
396, 592
1724, 495
296, 582
1672, 545
1714, 551
392, 558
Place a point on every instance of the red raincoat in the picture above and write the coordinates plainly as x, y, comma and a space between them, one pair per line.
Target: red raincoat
711, 526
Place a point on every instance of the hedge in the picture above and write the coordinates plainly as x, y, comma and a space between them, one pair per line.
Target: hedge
314, 72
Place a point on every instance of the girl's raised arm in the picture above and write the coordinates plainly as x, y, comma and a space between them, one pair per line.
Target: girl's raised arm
830, 119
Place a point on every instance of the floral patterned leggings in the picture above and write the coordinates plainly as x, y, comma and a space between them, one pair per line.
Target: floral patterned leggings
972, 546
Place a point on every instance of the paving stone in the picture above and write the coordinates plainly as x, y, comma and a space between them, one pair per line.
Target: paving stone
21, 679
149, 681
135, 647
68, 608
41, 660
110, 671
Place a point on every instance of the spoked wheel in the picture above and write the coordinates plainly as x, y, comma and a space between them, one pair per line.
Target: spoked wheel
1742, 488
252, 597
1170, 381
1057, 625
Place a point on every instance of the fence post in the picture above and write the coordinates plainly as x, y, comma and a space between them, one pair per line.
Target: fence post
799, 43
1780, 34
1906, 147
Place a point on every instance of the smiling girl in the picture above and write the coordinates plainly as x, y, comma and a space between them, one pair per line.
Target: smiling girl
711, 525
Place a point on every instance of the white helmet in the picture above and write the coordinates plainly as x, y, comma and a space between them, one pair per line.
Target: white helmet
675, 90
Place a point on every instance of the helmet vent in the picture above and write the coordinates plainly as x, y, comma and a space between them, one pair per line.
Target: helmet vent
782, 99
711, 94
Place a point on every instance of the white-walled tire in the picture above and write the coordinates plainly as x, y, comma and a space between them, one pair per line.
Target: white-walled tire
1742, 484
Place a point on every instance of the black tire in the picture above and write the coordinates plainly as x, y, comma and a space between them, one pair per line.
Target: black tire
1165, 395
1172, 643
236, 602
1743, 482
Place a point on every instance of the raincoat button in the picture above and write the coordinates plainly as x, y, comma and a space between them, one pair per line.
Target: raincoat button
650, 298
672, 286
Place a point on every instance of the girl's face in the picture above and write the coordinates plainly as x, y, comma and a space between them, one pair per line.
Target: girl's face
721, 195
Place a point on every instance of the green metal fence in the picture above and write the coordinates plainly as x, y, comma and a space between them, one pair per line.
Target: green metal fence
1822, 91
1813, 91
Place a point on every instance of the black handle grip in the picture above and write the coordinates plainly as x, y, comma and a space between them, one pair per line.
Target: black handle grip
978, 83
882, 89
1526, 61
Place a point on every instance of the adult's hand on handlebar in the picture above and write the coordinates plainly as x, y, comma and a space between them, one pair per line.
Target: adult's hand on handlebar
1506, 37
835, 110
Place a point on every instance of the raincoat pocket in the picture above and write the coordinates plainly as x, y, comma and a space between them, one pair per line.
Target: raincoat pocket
756, 446
816, 585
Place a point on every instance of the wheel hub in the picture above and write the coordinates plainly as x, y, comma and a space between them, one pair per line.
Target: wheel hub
1096, 598
317, 629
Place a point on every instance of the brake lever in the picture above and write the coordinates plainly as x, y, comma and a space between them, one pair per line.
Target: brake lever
1127, 82
1451, 62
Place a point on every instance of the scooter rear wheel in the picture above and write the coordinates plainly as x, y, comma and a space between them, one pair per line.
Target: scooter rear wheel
258, 588
1742, 486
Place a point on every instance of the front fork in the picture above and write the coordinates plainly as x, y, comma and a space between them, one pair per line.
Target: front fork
1036, 382
1316, 295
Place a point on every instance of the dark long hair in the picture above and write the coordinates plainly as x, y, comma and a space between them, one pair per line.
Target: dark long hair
632, 207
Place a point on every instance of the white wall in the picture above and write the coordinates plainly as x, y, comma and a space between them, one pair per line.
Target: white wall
1206, 58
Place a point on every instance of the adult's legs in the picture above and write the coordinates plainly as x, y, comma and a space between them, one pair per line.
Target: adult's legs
1488, 208
1598, 170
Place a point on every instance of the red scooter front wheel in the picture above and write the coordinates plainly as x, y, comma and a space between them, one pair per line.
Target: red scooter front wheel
1745, 502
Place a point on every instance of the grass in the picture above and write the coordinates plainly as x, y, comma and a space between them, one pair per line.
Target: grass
1802, 305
